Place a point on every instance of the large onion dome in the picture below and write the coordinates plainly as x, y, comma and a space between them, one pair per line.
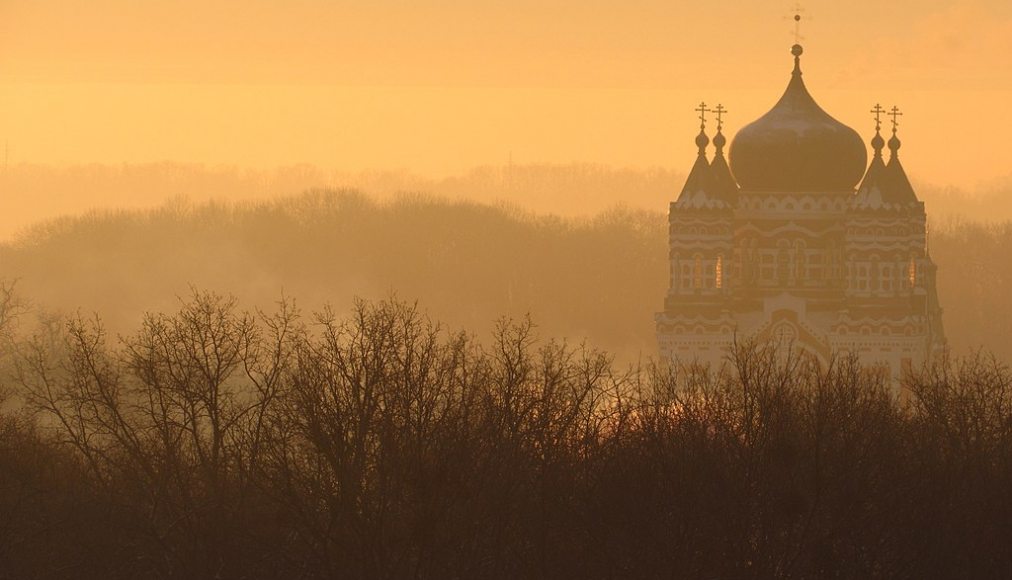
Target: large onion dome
797, 147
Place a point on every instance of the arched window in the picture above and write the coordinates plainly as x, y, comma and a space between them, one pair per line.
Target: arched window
697, 272
912, 272
718, 279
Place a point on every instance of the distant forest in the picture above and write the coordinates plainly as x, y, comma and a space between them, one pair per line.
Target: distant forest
33, 193
596, 278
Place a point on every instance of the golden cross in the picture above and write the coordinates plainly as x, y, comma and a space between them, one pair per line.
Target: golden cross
877, 111
720, 110
702, 110
894, 113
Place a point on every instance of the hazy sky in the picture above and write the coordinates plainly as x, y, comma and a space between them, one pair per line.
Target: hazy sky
438, 86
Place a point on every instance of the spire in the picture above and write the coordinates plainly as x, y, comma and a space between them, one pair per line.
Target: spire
723, 185
894, 142
719, 111
797, 49
702, 140
869, 193
898, 188
699, 177
877, 142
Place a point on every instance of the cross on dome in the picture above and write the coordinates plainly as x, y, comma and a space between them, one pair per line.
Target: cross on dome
877, 111
702, 109
719, 110
894, 113
798, 9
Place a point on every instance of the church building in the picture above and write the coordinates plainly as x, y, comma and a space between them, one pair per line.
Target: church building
795, 238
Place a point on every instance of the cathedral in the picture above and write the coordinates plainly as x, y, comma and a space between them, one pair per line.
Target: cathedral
795, 238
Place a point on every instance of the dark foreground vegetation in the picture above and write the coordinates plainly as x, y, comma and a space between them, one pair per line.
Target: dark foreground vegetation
217, 443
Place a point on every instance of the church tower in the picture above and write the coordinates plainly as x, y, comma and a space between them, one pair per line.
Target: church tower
701, 235
795, 241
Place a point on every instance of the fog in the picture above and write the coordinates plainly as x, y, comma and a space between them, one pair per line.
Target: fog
597, 278
32, 194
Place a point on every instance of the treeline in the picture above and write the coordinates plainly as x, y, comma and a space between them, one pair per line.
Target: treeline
215, 442
32, 193
599, 279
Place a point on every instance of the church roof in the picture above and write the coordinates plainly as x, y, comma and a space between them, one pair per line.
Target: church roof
870, 192
699, 175
885, 185
897, 184
699, 191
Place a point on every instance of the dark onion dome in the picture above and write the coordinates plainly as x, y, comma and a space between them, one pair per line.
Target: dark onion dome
797, 147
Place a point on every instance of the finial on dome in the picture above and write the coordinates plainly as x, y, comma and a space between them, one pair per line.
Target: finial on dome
877, 111
719, 110
719, 140
894, 141
702, 109
797, 50
895, 114
877, 142
702, 140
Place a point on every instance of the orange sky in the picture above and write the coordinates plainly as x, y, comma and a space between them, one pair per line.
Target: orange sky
438, 86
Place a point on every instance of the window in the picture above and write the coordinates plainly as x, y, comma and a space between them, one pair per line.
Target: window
783, 266
697, 272
800, 257
766, 268
719, 278
912, 273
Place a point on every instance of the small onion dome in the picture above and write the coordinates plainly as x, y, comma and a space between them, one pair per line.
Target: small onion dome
877, 143
797, 146
702, 141
894, 144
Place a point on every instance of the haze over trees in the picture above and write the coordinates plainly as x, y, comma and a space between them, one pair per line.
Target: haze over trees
34, 193
599, 278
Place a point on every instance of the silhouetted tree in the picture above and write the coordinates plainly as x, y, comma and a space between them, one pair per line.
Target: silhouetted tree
216, 442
